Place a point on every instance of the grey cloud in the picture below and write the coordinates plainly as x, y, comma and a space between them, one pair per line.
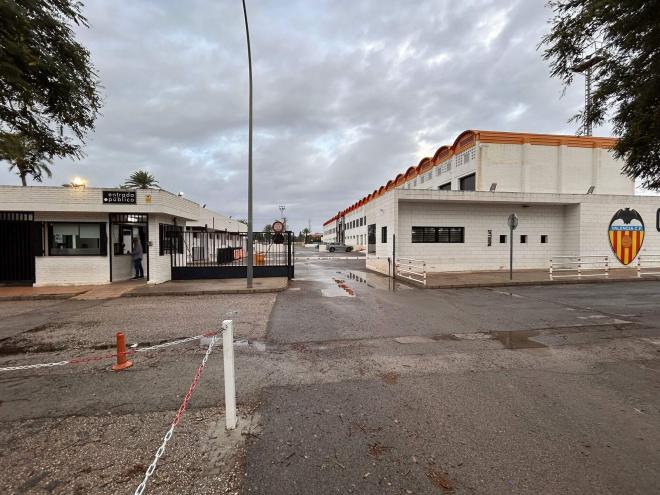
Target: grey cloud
347, 94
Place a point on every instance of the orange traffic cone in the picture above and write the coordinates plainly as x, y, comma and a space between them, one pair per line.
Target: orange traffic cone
122, 362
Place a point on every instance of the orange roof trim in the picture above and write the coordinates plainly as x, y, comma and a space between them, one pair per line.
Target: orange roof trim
469, 138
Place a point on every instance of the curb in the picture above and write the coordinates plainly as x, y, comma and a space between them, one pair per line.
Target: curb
513, 283
41, 297
203, 292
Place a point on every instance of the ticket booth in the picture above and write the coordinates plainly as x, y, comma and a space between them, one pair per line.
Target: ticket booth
124, 229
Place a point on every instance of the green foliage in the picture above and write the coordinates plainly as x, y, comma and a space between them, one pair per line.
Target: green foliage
48, 86
24, 157
141, 180
626, 82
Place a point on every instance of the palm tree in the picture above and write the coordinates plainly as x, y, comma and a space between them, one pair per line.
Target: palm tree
24, 156
141, 180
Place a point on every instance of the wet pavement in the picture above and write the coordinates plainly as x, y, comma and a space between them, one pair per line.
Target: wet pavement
354, 383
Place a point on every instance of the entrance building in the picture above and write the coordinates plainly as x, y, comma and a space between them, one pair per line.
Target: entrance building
449, 213
84, 236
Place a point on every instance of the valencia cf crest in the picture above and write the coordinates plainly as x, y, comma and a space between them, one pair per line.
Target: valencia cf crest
626, 234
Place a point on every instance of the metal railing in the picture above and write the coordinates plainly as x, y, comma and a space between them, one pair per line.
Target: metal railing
214, 248
411, 269
648, 264
579, 266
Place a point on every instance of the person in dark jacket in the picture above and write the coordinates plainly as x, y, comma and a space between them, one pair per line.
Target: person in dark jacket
136, 254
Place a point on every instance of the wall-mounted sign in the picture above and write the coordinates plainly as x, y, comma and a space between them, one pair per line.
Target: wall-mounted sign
119, 197
626, 233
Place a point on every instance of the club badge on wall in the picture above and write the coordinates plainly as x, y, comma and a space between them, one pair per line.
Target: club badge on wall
626, 233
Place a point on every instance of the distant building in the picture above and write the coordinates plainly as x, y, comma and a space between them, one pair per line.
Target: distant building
83, 235
564, 189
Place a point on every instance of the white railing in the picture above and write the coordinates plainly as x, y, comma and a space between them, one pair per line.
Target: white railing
648, 264
579, 266
411, 269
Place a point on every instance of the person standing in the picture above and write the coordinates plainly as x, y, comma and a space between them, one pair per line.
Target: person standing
136, 254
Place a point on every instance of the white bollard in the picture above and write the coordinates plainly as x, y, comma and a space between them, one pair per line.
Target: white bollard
230, 383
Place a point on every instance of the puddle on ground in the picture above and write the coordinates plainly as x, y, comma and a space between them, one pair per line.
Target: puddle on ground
520, 339
375, 281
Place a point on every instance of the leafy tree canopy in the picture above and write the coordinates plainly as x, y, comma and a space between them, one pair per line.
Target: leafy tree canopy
626, 80
48, 85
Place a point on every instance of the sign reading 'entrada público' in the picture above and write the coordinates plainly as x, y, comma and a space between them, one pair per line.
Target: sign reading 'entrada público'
119, 197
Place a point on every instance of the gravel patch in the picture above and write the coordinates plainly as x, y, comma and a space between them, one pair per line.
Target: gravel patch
147, 320
110, 454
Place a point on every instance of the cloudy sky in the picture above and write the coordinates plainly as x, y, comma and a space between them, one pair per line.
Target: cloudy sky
348, 93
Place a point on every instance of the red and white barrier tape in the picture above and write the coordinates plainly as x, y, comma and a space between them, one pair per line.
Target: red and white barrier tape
182, 409
89, 359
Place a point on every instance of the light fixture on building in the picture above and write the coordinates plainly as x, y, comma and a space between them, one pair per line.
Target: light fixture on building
180, 194
77, 183
493, 186
591, 189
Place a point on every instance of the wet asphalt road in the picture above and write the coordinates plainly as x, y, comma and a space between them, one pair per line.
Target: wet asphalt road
526, 425
392, 389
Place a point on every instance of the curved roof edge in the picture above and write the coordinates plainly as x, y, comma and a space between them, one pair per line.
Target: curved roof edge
468, 138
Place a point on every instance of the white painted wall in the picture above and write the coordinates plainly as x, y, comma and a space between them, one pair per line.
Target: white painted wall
575, 225
551, 169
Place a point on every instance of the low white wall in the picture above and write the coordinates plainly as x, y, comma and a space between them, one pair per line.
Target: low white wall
71, 270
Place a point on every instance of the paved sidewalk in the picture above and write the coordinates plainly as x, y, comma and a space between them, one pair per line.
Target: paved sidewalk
449, 280
110, 291
208, 287
24, 293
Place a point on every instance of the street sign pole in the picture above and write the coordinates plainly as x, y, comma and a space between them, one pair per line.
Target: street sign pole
510, 253
513, 223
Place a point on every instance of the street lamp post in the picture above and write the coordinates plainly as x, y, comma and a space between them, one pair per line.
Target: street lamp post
586, 67
250, 240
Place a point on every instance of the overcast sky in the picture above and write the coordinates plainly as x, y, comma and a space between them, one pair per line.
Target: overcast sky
348, 93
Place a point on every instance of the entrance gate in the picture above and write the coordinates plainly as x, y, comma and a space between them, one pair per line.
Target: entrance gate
199, 254
21, 239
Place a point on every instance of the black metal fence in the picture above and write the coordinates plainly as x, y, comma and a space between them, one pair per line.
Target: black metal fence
200, 254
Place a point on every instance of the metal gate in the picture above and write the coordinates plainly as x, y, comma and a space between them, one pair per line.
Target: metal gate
200, 254
20, 241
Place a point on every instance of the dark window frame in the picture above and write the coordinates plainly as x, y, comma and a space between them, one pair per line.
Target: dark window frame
383, 234
523, 238
503, 239
544, 238
165, 241
103, 239
445, 187
437, 235
470, 177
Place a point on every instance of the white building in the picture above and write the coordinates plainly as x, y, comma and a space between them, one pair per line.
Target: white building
82, 235
564, 189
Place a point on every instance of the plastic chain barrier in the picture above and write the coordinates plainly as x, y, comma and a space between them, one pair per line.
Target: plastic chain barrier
184, 405
89, 359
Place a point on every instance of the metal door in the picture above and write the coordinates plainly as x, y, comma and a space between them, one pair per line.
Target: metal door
20, 241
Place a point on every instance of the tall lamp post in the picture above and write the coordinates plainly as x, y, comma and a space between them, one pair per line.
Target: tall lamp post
586, 67
250, 241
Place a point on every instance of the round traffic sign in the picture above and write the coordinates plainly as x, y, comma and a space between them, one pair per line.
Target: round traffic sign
512, 221
278, 227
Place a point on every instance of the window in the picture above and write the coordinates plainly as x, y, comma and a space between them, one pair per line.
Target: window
490, 237
544, 239
523, 239
383, 235
371, 238
502, 239
445, 187
467, 183
438, 235
171, 239
77, 239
